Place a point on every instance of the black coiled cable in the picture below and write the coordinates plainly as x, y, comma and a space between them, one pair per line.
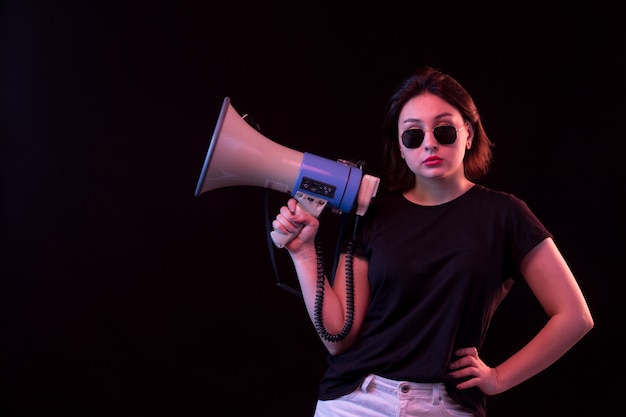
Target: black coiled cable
319, 296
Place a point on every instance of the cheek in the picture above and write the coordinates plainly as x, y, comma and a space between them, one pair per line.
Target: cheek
461, 150
412, 158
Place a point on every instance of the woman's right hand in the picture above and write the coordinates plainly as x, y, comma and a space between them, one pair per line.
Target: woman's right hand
290, 217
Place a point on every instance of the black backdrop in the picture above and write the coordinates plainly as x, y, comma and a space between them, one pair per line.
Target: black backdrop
123, 294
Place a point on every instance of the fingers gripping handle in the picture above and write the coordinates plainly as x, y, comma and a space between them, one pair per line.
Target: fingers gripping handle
313, 205
281, 239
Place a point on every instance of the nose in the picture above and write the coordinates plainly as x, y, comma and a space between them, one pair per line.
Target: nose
429, 139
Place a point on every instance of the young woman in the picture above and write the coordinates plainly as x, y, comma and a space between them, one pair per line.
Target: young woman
425, 269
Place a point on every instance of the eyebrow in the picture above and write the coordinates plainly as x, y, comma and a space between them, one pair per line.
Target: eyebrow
438, 117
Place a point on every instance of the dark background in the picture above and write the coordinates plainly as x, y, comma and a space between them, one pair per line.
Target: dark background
123, 294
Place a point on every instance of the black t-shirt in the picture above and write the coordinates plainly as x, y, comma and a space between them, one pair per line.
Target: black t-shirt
437, 274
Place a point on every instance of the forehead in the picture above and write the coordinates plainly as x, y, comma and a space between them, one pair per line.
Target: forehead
427, 106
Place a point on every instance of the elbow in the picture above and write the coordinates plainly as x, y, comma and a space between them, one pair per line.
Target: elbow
588, 322
335, 349
584, 323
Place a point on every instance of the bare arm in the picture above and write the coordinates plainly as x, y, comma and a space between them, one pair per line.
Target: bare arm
569, 319
304, 257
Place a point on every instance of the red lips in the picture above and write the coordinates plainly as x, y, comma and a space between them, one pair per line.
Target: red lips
432, 160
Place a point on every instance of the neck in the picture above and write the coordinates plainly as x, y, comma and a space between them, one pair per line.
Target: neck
432, 192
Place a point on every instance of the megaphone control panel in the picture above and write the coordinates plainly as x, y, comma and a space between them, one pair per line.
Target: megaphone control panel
317, 187
334, 181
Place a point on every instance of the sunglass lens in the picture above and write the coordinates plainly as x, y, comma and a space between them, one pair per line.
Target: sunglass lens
413, 138
446, 135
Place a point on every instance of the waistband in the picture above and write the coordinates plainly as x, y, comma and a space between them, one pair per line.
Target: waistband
392, 385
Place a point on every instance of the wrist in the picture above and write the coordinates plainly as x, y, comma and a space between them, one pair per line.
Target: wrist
306, 252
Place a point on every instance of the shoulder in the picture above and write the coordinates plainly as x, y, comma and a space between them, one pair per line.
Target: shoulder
497, 204
384, 206
485, 191
387, 200
495, 196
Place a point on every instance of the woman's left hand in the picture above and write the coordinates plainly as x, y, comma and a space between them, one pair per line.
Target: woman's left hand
469, 365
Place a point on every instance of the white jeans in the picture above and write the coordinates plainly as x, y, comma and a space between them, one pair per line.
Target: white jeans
383, 397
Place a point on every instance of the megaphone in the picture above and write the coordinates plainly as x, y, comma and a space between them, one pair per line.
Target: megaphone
239, 155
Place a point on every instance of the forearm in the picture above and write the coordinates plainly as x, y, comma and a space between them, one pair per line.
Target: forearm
558, 335
333, 307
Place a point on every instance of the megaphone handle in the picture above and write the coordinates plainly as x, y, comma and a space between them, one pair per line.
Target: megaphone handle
281, 239
313, 205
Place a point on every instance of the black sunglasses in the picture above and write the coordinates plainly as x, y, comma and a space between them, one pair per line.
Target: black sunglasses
446, 135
